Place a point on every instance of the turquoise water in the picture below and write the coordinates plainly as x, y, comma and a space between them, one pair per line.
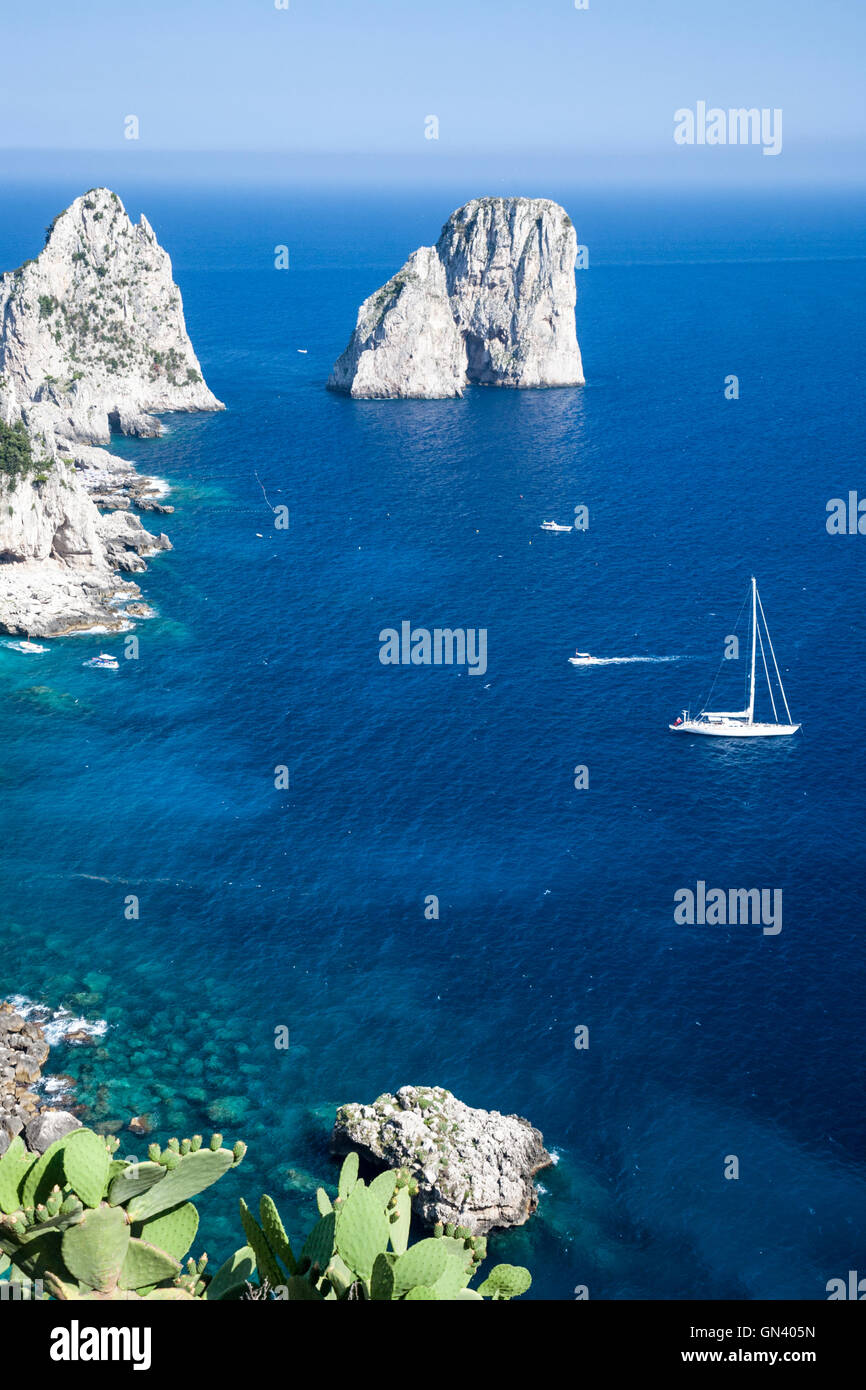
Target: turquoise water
261, 908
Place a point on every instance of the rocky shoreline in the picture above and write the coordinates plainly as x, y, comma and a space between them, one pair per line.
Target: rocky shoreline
28, 1031
93, 344
474, 1168
23, 1052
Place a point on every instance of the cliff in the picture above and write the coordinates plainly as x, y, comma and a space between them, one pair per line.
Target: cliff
492, 304
92, 342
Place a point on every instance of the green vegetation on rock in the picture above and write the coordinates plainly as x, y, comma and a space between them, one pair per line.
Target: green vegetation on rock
16, 454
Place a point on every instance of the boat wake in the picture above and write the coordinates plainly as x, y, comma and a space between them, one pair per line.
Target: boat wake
622, 660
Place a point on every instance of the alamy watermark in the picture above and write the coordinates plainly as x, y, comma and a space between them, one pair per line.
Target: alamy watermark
851, 1288
77, 1343
846, 516
22, 1290
441, 646
737, 126
729, 907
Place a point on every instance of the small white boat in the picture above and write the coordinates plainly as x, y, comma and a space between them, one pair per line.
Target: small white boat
583, 659
104, 662
25, 645
553, 526
742, 723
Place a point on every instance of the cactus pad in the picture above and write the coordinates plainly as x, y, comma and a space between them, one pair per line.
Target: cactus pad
132, 1180
231, 1278
145, 1266
423, 1264
400, 1220
86, 1163
15, 1165
95, 1249
319, 1245
275, 1234
172, 1231
192, 1174
506, 1281
362, 1230
348, 1175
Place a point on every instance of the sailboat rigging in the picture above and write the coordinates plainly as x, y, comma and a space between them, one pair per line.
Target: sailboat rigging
742, 723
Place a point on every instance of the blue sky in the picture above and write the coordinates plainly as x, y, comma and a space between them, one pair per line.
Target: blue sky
507, 80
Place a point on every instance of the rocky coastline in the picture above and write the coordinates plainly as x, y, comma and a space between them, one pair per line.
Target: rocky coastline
470, 1167
24, 1050
93, 343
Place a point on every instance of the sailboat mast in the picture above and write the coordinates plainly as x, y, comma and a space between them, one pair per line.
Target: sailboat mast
754, 635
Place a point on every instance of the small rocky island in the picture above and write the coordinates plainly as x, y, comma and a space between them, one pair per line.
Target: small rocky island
92, 342
492, 303
473, 1167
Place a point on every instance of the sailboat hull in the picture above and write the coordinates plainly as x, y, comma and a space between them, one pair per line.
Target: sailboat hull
722, 728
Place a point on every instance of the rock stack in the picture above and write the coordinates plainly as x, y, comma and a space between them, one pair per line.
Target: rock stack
93, 343
492, 304
473, 1167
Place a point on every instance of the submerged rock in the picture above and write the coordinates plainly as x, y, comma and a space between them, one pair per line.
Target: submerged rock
492, 303
473, 1167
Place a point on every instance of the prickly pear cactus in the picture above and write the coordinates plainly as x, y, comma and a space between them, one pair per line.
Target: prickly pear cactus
91, 1226
359, 1250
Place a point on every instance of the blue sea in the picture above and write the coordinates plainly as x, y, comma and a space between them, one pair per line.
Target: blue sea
305, 908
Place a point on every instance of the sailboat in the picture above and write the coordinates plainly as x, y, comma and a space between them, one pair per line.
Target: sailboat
742, 723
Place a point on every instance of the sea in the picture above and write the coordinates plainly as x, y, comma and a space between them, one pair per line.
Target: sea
435, 876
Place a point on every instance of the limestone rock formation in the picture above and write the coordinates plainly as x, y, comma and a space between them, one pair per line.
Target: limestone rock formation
94, 327
492, 303
473, 1167
92, 340
406, 342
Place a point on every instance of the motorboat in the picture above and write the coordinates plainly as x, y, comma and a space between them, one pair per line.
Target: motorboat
104, 662
26, 646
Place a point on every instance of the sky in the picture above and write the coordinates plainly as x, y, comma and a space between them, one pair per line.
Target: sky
506, 79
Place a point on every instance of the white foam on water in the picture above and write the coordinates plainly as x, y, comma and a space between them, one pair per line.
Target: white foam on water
156, 487
56, 1024
628, 660
55, 1087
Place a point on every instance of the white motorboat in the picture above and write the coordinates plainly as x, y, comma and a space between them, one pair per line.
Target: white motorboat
25, 645
742, 723
583, 659
554, 526
104, 662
